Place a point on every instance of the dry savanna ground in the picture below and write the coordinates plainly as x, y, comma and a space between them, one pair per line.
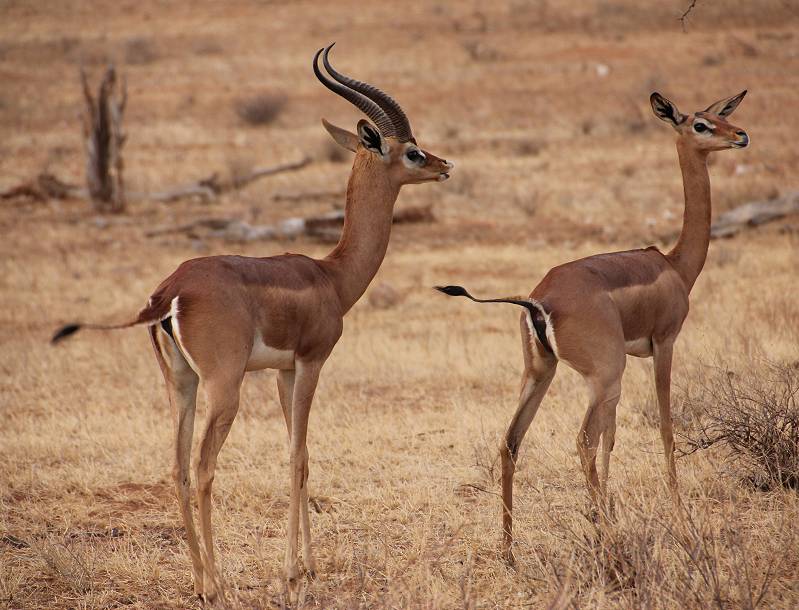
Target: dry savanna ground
543, 107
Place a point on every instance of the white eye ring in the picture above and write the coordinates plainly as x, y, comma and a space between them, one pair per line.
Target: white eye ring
702, 127
414, 155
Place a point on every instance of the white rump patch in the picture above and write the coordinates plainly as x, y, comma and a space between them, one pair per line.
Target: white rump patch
173, 313
549, 331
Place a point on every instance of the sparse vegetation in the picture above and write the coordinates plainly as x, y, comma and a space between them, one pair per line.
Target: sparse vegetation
415, 399
140, 51
260, 109
755, 417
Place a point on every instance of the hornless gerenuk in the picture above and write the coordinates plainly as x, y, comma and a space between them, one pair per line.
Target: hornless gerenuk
216, 318
592, 312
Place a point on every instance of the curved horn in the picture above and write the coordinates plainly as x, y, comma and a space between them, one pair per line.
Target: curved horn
363, 103
388, 104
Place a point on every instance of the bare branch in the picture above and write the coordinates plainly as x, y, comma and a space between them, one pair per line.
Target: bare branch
753, 214
257, 174
46, 186
43, 187
324, 227
686, 12
211, 187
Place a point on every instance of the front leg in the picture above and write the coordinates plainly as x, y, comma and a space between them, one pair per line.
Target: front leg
662, 355
305, 379
285, 388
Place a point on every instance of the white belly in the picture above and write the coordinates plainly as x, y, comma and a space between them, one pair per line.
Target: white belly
639, 347
264, 357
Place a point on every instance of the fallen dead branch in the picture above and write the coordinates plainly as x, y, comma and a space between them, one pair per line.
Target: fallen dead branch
43, 187
308, 196
212, 186
47, 186
754, 214
325, 227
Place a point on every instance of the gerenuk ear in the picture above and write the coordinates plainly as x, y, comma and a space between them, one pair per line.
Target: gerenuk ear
725, 108
371, 139
345, 139
665, 110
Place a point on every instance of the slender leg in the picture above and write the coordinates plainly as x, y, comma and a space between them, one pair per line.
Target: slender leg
534, 386
662, 357
223, 403
608, 441
181, 384
305, 380
598, 418
285, 388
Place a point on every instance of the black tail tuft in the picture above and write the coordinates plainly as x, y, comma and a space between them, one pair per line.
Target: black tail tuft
64, 332
537, 312
453, 291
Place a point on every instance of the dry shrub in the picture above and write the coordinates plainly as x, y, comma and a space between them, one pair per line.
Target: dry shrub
261, 108
528, 147
73, 567
756, 418
332, 152
140, 51
208, 46
487, 460
619, 560
643, 559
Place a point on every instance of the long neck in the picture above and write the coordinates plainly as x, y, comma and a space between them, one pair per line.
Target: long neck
367, 228
689, 254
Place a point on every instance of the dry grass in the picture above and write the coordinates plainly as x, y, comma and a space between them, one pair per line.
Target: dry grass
415, 398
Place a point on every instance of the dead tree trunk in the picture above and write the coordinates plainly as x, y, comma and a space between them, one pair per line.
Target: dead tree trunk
103, 140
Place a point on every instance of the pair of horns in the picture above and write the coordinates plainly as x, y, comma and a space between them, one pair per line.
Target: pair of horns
380, 107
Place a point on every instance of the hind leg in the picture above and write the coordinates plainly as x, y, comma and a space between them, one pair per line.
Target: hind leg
181, 383
223, 403
539, 370
535, 384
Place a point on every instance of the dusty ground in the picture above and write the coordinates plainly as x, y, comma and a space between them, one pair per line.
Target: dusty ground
543, 107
